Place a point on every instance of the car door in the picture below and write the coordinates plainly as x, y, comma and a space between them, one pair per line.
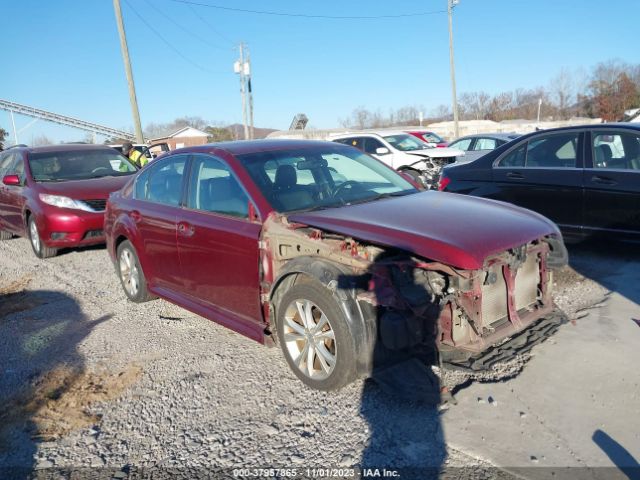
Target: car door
218, 245
157, 200
544, 174
612, 181
6, 159
13, 196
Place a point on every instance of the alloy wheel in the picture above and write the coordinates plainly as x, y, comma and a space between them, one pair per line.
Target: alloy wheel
35, 237
129, 273
310, 339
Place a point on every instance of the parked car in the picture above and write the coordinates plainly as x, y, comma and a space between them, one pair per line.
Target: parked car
586, 178
403, 152
333, 255
475, 146
56, 195
428, 137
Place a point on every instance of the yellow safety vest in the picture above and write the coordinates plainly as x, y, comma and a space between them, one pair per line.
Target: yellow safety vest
136, 157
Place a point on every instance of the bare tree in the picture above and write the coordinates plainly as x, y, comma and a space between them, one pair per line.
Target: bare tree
41, 141
562, 92
474, 105
3, 136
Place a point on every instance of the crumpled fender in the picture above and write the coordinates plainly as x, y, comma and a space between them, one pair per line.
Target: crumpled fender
342, 282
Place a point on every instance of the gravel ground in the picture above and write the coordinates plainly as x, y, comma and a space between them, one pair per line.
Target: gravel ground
156, 386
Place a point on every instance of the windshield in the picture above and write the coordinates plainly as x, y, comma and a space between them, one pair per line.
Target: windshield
321, 177
405, 142
78, 165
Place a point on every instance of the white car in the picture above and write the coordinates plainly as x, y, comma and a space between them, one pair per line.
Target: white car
404, 152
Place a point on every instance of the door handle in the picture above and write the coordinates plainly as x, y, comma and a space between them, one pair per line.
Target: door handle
135, 215
603, 180
515, 175
186, 230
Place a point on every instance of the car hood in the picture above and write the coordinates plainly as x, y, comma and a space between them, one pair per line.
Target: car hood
458, 230
89, 189
437, 152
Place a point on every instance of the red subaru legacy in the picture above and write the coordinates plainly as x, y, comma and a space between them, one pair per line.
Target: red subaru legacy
56, 195
334, 256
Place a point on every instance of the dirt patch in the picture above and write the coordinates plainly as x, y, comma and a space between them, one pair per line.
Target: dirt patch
14, 298
61, 400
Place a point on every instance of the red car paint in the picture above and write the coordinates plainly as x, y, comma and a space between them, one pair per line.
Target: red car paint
17, 202
222, 267
424, 136
439, 226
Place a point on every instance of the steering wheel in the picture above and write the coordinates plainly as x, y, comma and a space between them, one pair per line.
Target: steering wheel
96, 170
342, 186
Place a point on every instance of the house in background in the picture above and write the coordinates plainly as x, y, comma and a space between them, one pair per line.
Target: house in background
185, 137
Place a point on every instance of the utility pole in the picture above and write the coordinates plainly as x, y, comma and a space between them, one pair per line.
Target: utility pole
450, 5
248, 73
127, 68
539, 105
241, 68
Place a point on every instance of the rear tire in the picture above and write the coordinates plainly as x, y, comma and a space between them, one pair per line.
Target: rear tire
315, 337
39, 248
131, 275
5, 235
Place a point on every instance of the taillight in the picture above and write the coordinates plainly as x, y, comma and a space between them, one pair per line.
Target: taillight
442, 184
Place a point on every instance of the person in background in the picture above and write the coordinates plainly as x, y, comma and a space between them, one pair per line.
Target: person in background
134, 155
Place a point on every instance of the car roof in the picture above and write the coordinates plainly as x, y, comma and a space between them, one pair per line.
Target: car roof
498, 135
64, 147
364, 133
241, 147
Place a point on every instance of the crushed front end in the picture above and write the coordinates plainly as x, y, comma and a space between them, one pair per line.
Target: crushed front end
411, 306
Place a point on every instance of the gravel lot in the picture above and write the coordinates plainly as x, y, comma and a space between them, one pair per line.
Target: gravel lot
92, 380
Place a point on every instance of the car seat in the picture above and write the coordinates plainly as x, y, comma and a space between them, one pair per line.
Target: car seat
287, 193
603, 155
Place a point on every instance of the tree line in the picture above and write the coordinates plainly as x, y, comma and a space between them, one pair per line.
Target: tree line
608, 90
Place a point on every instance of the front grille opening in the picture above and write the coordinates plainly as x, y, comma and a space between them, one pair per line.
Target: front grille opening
97, 205
93, 234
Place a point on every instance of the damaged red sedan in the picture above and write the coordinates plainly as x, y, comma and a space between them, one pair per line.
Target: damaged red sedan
329, 253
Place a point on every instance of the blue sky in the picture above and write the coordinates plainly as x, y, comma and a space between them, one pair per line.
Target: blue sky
64, 56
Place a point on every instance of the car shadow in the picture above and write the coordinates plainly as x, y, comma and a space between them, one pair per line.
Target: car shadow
40, 332
614, 265
619, 455
401, 399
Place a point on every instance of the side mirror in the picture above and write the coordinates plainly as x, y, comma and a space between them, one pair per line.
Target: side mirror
12, 180
382, 151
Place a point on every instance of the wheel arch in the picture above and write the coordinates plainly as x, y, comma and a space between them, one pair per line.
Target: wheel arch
342, 283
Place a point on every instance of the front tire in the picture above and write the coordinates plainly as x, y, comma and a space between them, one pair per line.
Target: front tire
5, 235
131, 275
315, 337
39, 248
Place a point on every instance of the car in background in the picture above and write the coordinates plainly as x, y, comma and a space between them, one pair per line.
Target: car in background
149, 151
403, 152
56, 195
475, 146
334, 256
585, 178
428, 137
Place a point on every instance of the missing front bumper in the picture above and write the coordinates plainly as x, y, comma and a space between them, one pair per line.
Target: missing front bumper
518, 344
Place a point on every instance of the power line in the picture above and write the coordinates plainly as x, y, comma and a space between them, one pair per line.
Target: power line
213, 29
168, 44
183, 28
304, 15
